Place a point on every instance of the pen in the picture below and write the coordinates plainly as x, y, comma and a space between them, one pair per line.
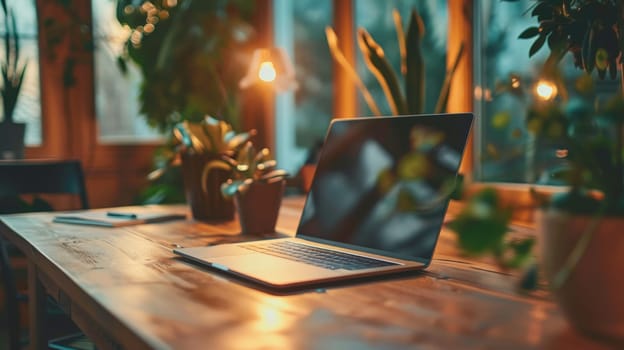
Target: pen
121, 215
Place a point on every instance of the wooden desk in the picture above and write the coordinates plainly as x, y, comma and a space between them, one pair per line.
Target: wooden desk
125, 289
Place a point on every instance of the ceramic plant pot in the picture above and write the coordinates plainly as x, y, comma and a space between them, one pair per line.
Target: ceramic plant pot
259, 206
592, 296
12, 140
209, 205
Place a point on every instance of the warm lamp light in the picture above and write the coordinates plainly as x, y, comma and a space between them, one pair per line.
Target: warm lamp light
266, 72
545, 90
270, 66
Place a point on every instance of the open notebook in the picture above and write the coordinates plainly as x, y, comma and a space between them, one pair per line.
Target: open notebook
115, 218
376, 206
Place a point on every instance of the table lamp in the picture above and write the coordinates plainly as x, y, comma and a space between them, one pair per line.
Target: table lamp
270, 66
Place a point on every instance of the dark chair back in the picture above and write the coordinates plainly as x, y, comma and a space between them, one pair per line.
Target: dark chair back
43, 177
33, 177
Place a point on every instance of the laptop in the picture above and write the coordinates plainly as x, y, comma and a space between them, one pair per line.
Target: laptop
376, 205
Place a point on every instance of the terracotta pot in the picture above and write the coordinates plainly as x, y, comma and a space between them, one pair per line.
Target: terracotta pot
259, 206
209, 205
592, 296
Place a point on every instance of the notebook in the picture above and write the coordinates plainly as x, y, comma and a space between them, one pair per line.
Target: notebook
116, 218
376, 205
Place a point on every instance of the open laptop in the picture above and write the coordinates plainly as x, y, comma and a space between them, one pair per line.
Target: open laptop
376, 205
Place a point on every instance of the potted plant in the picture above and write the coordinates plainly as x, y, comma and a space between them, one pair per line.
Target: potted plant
405, 92
13, 70
579, 227
411, 98
256, 186
196, 144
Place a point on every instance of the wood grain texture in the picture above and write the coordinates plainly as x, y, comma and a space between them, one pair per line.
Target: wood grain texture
127, 290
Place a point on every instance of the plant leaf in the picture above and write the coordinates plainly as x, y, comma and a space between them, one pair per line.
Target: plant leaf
332, 41
398, 25
210, 166
415, 66
537, 45
529, 33
382, 70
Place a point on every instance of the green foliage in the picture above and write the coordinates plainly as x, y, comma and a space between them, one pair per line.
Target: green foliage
12, 69
588, 29
589, 130
410, 98
248, 166
189, 55
482, 228
208, 136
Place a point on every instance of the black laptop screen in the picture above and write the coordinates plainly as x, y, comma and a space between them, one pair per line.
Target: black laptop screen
382, 183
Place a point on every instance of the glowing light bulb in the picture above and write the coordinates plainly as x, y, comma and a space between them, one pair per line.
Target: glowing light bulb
267, 72
545, 90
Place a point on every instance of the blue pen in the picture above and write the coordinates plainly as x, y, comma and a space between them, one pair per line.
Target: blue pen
121, 215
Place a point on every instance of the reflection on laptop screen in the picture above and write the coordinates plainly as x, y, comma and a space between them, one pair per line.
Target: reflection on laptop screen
383, 184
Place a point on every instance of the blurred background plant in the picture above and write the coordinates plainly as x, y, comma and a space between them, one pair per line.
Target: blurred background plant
13, 66
410, 99
192, 55
590, 128
583, 128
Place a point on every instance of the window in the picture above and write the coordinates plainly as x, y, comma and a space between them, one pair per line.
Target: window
28, 108
300, 28
302, 117
116, 93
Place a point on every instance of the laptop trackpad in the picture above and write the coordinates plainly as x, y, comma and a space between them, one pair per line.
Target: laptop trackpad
272, 270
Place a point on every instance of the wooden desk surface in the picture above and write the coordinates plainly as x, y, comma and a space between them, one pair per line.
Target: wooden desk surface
126, 289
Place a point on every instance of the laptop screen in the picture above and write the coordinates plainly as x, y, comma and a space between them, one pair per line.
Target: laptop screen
382, 184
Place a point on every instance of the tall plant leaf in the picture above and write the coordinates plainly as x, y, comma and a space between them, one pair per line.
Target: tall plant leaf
415, 72
382, 70
398, 25
332, 41
446, 87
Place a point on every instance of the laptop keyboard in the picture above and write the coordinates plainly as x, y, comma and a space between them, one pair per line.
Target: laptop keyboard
325, 258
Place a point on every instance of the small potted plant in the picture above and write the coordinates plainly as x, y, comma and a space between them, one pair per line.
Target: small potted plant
256, 186
11, 133
197, 144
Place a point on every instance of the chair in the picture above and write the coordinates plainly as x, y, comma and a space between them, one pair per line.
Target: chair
32, 177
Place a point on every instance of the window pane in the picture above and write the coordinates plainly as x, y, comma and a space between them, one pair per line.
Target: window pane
28, 108
313, 99
376, 17
302, 116
116, 92
506, 150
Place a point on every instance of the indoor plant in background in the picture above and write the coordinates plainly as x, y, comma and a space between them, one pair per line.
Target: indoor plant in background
579, 227
196, 144
13, 70
411, 99
405, 92
256, 186
192, 55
